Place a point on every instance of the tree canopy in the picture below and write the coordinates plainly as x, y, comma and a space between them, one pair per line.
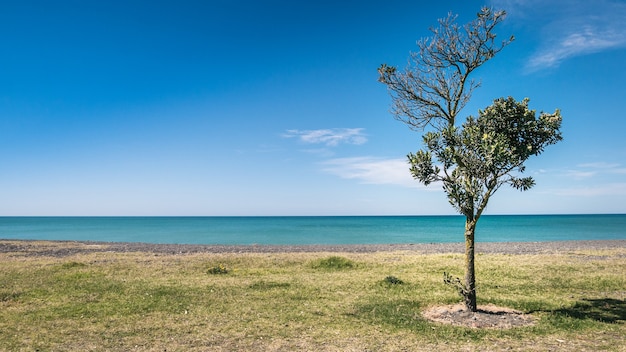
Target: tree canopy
474, 160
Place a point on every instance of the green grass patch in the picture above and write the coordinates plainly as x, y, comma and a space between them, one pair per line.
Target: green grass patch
70, 265
333, 263
304, 301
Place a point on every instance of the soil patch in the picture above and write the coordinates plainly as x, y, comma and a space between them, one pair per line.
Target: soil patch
488, 316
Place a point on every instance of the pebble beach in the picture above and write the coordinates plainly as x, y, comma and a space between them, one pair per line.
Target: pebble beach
67, 248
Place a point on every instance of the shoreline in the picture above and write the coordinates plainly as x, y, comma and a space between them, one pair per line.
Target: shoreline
65, 248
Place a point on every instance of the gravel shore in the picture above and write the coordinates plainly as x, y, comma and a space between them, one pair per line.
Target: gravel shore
65, 248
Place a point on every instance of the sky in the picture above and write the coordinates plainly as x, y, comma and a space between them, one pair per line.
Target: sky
260, 108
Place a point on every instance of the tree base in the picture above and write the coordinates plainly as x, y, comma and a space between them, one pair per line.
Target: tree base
486, 317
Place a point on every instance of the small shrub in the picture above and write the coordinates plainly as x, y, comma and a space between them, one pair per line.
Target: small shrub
457, 284
220, 269
392, 280
333, 263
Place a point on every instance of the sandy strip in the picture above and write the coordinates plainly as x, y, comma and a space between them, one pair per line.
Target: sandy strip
65, 248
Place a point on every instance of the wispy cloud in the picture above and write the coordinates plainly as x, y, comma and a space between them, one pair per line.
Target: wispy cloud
611, 189
586, 40
588, 180
600, 165
329, 137
569, 28
589, 170
371, 170
580, 174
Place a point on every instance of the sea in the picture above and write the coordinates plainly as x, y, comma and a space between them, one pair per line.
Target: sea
303, 230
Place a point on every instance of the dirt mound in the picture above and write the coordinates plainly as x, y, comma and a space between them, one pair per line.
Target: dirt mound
487, 316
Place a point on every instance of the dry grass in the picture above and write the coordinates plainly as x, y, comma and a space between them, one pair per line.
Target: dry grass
303, 301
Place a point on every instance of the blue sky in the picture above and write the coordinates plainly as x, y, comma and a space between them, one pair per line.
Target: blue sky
273, 107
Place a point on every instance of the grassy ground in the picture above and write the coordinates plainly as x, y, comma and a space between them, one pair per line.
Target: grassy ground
303, 301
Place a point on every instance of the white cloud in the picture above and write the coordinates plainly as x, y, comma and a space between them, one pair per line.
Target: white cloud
586, 40
569, 28
370, 170
329, 137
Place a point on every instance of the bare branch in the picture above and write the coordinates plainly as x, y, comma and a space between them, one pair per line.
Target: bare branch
435, 86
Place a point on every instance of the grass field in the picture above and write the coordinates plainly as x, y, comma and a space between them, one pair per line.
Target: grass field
304, 302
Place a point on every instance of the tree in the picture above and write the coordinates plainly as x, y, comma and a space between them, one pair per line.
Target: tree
474, 160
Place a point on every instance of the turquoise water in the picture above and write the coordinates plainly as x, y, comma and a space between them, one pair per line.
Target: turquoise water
314, 230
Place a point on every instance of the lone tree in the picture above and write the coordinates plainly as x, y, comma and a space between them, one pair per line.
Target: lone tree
473, 160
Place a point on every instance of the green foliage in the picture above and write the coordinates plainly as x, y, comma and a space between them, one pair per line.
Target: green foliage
219, 269
333, 263
472, 160
485, 153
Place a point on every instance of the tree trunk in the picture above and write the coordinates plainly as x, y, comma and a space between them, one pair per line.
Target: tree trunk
469, 296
